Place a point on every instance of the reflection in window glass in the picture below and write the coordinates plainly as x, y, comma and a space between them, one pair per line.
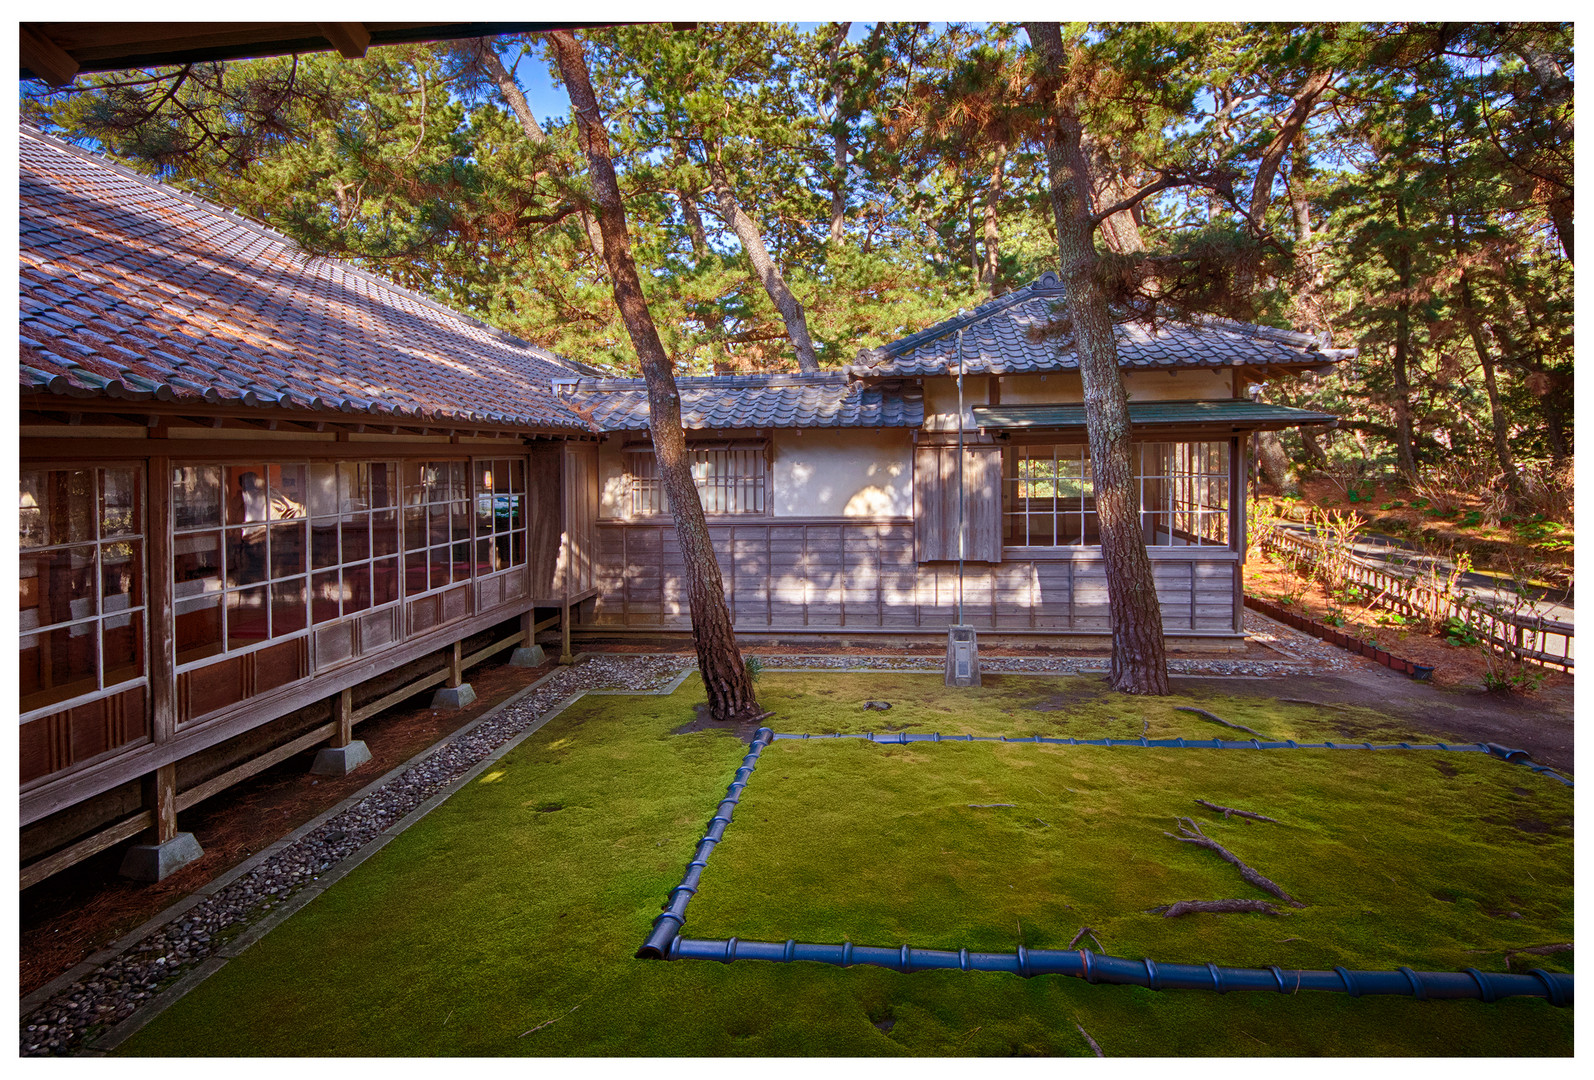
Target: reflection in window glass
80, 582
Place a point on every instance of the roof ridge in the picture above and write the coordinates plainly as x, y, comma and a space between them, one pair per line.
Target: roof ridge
263, 229
1048, 282
711, 382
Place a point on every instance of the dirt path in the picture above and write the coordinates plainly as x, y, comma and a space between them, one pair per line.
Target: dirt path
1541, 725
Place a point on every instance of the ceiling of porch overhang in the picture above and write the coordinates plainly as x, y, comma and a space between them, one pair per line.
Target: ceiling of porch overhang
1237, 415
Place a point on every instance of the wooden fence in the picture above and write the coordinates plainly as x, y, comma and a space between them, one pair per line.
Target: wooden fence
1523, 635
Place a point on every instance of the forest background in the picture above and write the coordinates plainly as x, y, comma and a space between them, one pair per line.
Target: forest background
797, 193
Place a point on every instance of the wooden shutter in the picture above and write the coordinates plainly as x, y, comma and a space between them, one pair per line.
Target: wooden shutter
935, 503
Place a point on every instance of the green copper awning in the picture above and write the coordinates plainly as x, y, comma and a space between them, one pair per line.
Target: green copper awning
1237, 415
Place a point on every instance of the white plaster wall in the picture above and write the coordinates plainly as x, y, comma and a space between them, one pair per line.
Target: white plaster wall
613, 487
846, 472
941, 400
1063, 387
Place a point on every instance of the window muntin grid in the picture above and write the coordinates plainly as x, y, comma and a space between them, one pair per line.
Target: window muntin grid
500, 514
1183, 488
354, 537
1184, 493
729, 481
81, 582
240, 544
1050, 497
437, 525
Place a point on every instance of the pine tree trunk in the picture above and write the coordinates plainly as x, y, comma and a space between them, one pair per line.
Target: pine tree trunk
1276, 463
993, 197
791, 311
725, 678
838, 188
1402, 403
1139, 664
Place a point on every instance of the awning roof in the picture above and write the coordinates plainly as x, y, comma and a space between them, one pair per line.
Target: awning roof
1238, 415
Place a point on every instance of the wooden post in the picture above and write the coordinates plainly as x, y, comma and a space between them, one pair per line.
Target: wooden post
160, 799
565, 656
456, 671
162, 656
343, 714
528, 620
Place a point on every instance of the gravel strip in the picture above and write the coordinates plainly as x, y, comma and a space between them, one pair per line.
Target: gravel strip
110, 993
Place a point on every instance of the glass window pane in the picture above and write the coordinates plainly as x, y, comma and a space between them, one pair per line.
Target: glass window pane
460, 519
326, 590
119, 510
121, 575
442, 567
31, 521
485, 471
351, 485
414, 528
196, 563
287, 550
384, 532
384, 484
517, 475
461, 561
356, 530
437, 531
384, 581
62, 585
246, 617
324, 544
485, 563
417, 479
289, 491
415, 564
356, 588
246, 494
198, 628
246, 556
196, 496
323, 489
457, 486
123, 647
287, 606
58, 664
69, 506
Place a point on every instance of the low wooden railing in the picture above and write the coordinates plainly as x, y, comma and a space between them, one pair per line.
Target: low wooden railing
1523, 635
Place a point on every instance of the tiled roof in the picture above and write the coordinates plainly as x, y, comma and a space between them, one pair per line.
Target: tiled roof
723, 402
997, 341
131, 289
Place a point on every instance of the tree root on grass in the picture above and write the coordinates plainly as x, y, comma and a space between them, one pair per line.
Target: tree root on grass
1227, 810
1192, 834
1083, 931
1215, 907
1218, 720
1531, 950
1088, 1039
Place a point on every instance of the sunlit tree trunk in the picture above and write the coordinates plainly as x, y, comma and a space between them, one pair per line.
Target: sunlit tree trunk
725, 678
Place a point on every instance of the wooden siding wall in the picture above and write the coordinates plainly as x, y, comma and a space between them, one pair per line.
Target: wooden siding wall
835, 573
935, 502
581, 512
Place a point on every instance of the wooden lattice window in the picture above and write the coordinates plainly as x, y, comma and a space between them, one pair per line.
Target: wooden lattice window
81, 571
730, 480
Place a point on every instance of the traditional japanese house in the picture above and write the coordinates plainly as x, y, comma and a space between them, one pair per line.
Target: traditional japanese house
261, 497
264, 496
833, 499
